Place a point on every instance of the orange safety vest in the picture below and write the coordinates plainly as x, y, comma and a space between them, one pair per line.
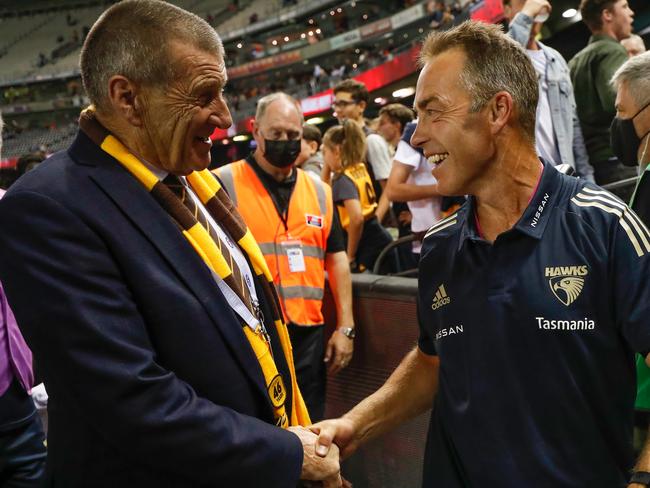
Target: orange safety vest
295, 254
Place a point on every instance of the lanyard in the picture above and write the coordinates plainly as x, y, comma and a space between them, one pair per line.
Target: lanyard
252, 321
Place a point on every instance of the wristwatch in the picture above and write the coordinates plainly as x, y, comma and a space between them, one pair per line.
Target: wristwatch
641, 477
348, 332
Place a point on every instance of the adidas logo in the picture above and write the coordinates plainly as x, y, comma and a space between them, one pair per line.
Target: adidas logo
440, 298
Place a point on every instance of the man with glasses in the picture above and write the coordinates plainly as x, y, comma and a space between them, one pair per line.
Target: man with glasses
291, 215
350, 102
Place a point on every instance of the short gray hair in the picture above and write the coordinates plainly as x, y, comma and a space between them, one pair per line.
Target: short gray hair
264, 102
634, 41
131, 39
635, 73
494, 63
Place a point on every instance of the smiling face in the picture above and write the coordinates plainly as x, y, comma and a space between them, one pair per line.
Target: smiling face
177, 120
457, 142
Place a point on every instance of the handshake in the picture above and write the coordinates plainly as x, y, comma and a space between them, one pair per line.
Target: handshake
325, 444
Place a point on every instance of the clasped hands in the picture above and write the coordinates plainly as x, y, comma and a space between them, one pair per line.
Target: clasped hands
325, 444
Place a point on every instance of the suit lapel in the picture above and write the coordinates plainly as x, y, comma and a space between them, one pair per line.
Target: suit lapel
147, 215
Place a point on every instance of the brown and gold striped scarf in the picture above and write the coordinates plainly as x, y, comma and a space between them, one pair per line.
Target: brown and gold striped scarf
220, 207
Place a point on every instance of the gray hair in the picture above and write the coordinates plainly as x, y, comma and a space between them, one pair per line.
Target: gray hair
264, 102
634, 43
495, 63
131, 39
635, 73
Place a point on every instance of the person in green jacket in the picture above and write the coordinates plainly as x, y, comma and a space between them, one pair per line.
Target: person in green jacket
609, 21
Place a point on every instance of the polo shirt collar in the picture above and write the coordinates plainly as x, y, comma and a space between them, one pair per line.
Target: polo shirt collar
535, 217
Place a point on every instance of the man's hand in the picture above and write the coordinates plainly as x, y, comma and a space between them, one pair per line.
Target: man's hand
533, 8
324, 468
338, 352
336, 433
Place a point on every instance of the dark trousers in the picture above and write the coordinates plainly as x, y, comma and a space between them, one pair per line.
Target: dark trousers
308, 351
22, 444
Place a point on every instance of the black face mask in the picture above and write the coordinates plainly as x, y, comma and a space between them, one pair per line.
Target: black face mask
624, 141
281, 153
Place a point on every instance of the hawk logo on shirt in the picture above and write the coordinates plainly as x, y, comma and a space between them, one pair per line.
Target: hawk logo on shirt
566, 282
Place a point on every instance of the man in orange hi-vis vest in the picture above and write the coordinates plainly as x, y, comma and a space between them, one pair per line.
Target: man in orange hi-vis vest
290, 213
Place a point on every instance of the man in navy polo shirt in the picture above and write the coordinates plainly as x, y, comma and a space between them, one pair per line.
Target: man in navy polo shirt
532, 298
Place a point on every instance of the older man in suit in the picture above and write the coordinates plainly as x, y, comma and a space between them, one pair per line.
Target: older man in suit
141, 292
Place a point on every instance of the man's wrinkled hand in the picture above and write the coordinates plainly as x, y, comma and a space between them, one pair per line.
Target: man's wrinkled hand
316, 467
339, 434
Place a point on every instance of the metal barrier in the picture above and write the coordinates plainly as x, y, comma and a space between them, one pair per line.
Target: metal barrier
386, 252
617, 186
385, 317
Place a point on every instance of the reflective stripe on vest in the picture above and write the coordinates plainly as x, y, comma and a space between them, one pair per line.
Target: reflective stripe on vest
269, 249
361, 179
309, 220
307, 292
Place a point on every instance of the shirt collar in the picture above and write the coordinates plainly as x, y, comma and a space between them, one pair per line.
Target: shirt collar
535, 217
601, 37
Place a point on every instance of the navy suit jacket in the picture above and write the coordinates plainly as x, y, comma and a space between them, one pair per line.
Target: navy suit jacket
151, 379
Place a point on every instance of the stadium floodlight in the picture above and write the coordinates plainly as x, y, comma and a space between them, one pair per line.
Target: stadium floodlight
241, 138
380, 101
404, 92
569, 13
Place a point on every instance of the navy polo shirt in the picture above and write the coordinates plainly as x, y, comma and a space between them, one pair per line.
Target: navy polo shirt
536, 335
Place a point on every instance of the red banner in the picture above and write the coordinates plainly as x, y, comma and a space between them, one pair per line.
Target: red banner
399, 67
9, 163
265, 64
490, 11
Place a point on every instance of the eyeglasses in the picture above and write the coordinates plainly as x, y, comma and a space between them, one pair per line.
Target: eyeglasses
343, 103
